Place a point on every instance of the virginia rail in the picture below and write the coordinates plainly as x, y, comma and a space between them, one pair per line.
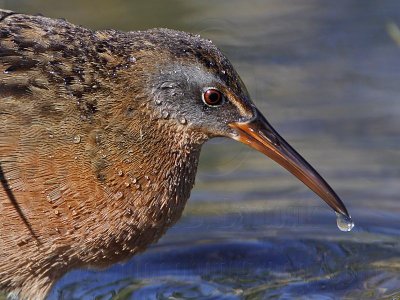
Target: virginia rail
100, 135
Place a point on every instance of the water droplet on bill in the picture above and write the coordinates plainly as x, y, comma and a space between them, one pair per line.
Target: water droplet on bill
344, 223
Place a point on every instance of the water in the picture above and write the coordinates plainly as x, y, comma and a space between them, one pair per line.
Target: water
344, 223
77, 139
326, 75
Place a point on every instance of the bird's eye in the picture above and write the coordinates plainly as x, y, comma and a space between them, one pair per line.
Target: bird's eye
213, 97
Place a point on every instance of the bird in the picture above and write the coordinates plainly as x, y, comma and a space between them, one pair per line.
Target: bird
100, 136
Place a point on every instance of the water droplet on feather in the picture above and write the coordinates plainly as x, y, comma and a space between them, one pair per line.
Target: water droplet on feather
165, 114
182, 120
118, 195
77, 139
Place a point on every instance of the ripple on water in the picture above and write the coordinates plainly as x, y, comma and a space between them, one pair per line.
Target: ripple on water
251, 268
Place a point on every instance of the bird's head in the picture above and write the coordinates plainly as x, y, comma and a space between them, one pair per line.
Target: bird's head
194, 86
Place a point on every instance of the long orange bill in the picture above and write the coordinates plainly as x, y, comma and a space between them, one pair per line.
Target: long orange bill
260, 135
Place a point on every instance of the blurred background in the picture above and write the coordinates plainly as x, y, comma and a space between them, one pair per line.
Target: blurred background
327, 76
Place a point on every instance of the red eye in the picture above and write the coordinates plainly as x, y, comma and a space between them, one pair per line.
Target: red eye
213, 97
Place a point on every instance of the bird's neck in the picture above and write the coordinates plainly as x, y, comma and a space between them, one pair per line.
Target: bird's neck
147, 182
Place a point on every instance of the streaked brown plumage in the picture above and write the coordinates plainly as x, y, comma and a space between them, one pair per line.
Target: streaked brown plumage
100, 135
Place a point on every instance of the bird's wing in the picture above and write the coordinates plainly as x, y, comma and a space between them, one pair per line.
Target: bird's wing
42, 104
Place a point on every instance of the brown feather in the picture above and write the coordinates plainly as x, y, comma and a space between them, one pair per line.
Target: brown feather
89, 176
